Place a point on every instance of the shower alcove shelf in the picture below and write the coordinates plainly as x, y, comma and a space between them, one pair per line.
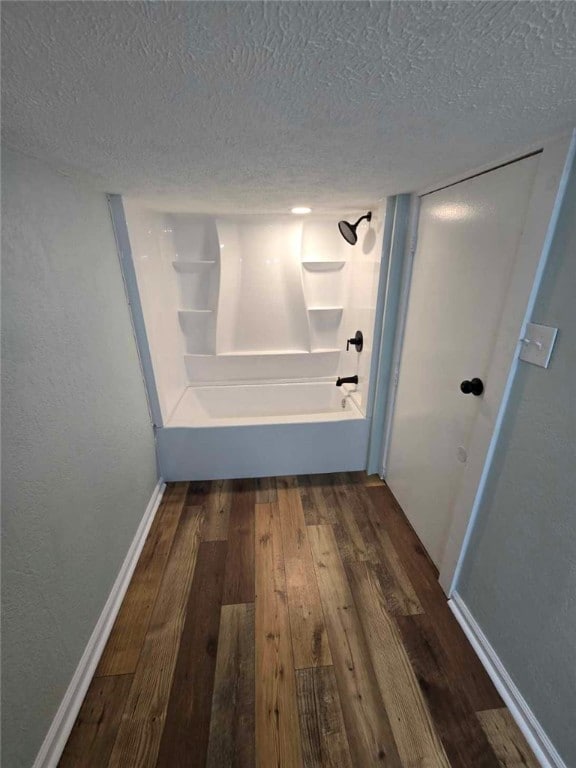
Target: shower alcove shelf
192, 266
196, 248
323, 283
323, 266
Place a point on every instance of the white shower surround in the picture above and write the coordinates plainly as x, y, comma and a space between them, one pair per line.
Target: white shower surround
247, 319
261, 307
250, 299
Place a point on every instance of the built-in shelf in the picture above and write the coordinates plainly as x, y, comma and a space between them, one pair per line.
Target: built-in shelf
323, 266
325, 309
192, 266
198, 327
264, 352
195, 311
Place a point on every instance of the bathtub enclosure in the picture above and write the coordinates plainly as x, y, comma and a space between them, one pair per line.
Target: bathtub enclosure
242, 324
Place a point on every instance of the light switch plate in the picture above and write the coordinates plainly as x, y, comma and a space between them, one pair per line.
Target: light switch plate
537, 344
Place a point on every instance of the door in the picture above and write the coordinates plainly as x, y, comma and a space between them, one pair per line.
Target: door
468, 239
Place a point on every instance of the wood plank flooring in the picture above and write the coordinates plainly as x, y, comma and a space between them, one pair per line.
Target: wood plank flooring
285, 623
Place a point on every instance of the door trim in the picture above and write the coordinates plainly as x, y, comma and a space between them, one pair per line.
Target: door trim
120, 228
482, 173
408, 244
385, 327
540, 223
372, 399
520, 153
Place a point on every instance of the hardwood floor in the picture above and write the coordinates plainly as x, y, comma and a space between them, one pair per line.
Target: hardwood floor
286, 622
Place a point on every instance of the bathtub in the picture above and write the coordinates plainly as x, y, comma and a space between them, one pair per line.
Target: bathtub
225, 405
259, 430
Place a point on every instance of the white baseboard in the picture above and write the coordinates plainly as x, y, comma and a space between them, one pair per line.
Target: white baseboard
57, 736
533, 732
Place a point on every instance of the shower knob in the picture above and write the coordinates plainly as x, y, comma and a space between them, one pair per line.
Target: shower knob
358, 342
472, 387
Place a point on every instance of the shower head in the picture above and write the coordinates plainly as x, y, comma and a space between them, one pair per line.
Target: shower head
348, 231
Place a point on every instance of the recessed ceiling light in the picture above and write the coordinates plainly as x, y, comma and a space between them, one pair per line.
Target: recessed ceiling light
301, 209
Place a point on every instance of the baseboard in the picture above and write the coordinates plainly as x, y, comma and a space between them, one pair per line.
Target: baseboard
57, 736
533, 732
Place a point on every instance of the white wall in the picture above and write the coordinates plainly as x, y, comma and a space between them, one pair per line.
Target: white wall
519, 574
153, 251
77, 445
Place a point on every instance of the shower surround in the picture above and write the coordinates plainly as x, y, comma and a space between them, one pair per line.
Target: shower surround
245, 321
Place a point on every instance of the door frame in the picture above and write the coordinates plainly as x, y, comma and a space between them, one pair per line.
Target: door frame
407, 249
120, 228
385, 328
550, 183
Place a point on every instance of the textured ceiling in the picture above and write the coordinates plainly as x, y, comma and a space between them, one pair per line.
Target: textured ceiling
260, 106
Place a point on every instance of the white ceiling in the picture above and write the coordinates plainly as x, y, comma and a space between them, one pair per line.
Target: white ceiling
251, 106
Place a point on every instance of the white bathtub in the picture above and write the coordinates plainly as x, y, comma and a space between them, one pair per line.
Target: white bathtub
258, 430
220, 406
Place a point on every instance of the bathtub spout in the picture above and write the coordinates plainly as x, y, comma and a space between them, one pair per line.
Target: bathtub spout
346, 380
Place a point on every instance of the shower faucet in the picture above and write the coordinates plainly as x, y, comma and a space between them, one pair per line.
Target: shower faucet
357, 341
346, 380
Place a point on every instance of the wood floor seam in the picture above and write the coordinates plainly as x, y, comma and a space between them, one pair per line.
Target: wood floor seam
289, 622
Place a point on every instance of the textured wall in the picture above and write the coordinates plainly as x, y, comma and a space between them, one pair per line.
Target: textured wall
519, 576
253, 106
77, 447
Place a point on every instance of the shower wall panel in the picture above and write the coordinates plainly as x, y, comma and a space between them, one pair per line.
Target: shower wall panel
234, 299
261, 306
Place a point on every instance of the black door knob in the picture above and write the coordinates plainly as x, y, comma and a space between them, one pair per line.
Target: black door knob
472, 387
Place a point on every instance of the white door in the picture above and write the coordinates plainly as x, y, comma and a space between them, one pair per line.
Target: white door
468, 238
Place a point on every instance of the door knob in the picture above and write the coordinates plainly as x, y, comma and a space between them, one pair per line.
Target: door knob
472, 387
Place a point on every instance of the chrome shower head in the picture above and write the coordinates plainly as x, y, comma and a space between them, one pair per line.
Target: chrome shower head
348, 231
